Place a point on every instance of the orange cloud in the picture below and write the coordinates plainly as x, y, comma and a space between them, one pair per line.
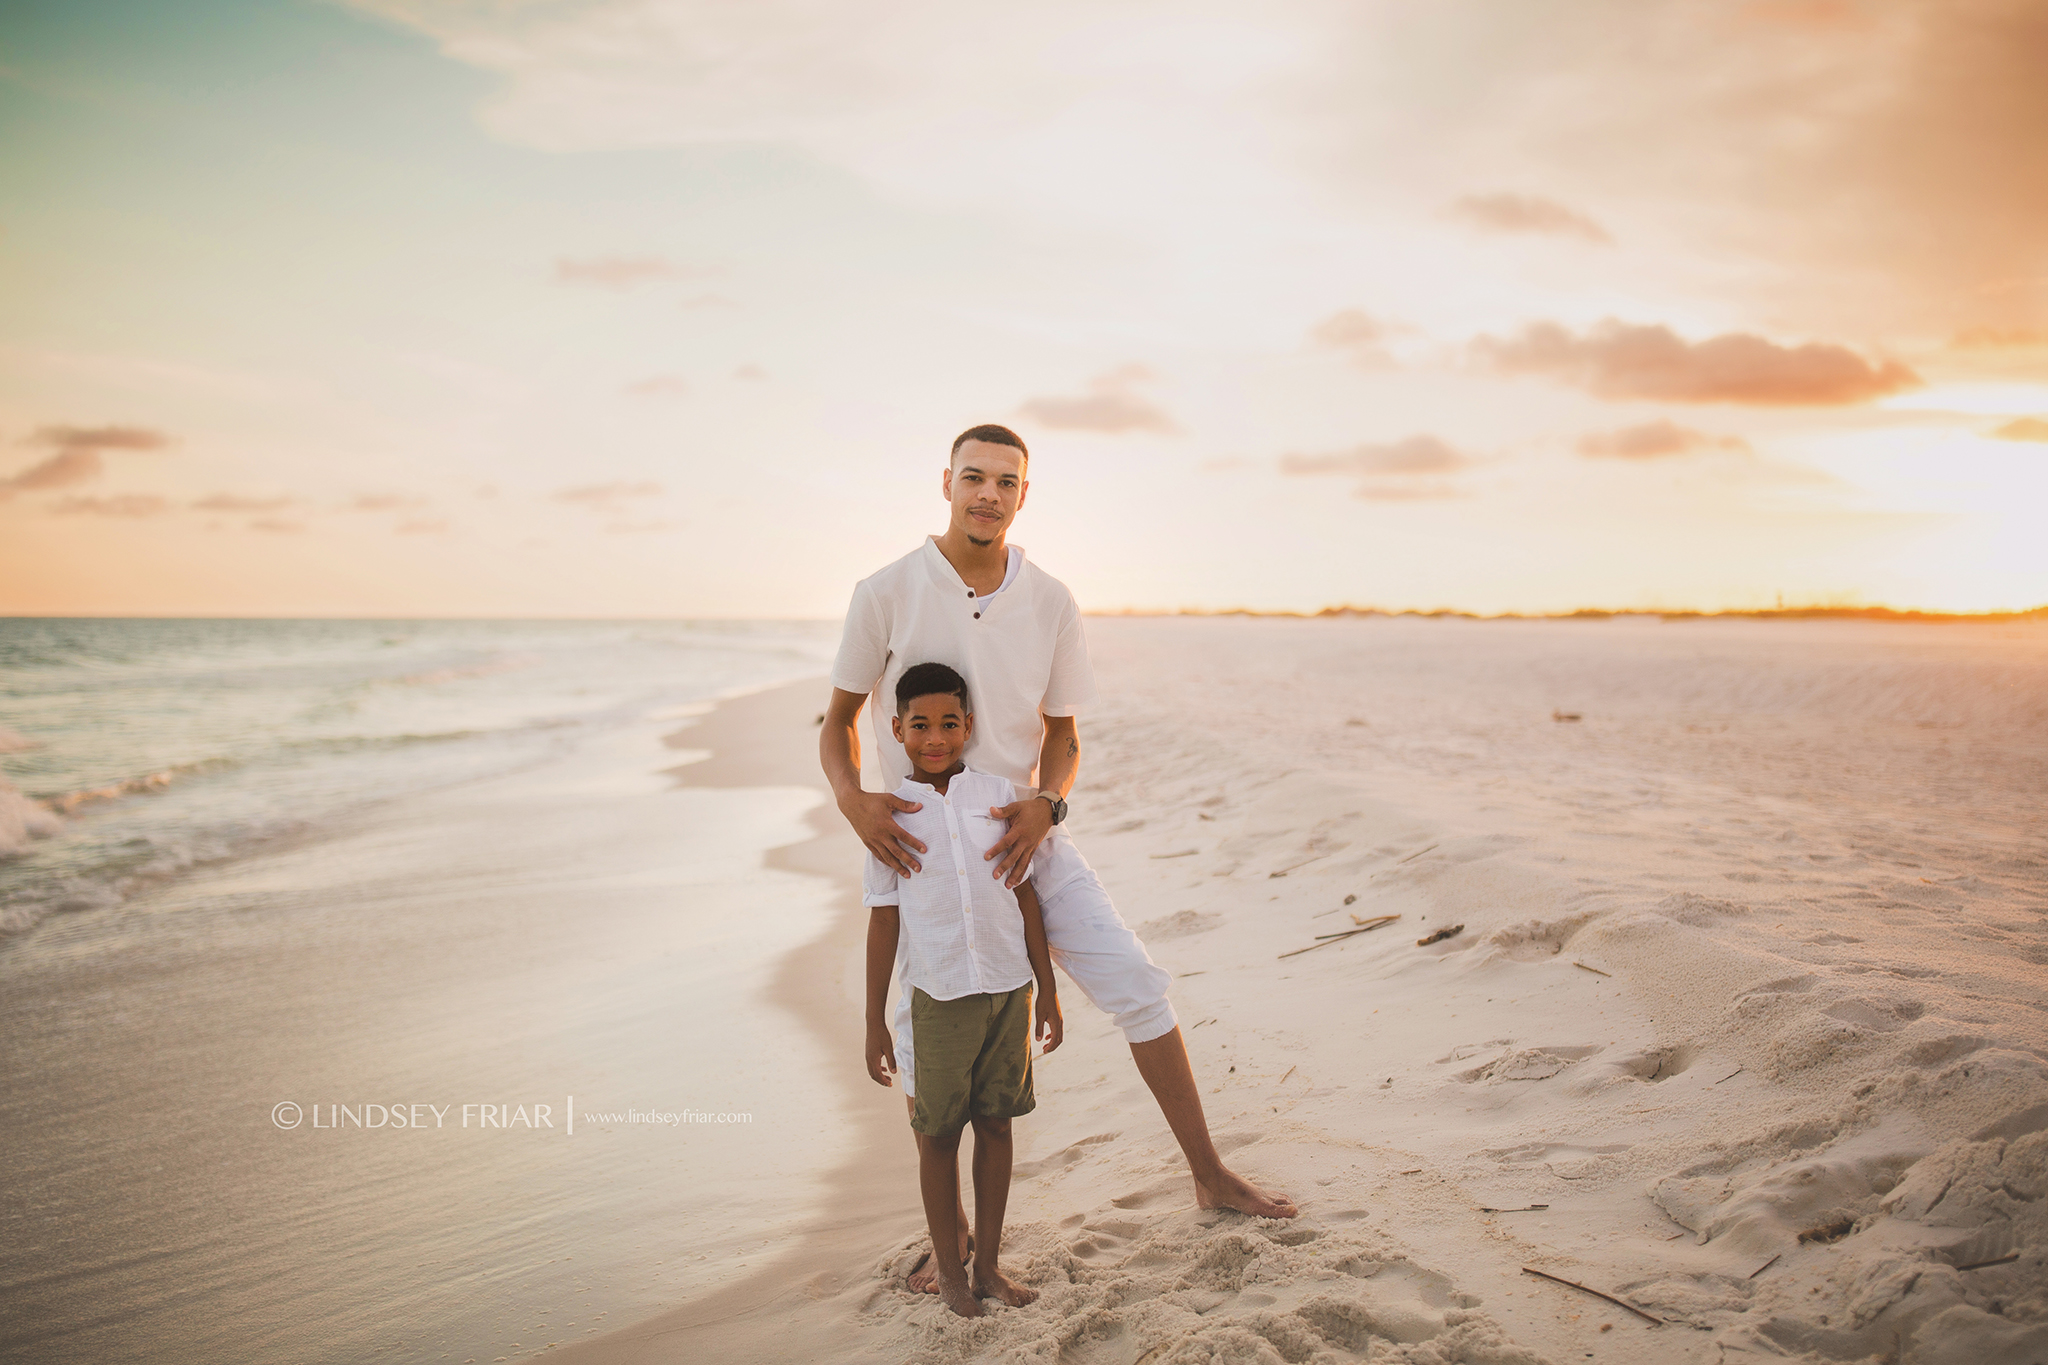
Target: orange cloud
419, 527
1651, 440
1111, 405
234, 502
277, 525
78, 455
2023, 429
383, 502
604, 495
1390, 471
1356, 333
1527, 213
1620, 360
120, 505
659, 386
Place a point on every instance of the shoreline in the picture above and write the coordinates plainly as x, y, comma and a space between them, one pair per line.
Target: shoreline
769, 738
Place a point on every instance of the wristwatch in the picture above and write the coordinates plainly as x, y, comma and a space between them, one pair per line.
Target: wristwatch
1059, 806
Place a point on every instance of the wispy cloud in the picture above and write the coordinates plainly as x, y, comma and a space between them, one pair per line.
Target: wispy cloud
1530, 214
277, 525
622, 272
2022, 429
1620, 360
77, 458
1111, 404
383, 502
118, 505
1358, 335
1405, 470
416, 526
659, 386
607, 495
235, 502
1653, 440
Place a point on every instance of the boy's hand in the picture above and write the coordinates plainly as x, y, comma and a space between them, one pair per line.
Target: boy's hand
872, 815
1048, 1027
881, 1054
1030, 820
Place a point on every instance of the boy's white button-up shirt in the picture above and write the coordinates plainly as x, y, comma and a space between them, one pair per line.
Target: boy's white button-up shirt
962, 930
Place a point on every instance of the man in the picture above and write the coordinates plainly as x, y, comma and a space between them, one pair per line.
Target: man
968, 599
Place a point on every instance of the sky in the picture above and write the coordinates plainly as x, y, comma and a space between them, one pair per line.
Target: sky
672, 308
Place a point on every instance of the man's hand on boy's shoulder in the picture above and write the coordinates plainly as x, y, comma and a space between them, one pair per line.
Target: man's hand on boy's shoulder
1048, 1027
881, 1054
1030, 821
873, 817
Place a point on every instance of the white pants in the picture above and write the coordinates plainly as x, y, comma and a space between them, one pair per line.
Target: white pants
1089, 942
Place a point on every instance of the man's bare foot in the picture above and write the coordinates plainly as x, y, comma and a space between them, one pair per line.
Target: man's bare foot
924, 1276
955, 1292
1233, 1191
994, 1284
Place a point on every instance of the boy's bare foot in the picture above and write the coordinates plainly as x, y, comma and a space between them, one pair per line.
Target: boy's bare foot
924, 1276
1233, 1191
955, 1292
994, 1284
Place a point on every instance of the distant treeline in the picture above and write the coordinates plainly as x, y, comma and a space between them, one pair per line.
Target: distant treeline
1601, 614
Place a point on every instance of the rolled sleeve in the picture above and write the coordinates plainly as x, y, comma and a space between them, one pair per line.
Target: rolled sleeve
878, 884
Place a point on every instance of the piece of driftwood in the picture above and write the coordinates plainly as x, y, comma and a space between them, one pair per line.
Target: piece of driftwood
1526, 1208
1290, 1071
1416, 854
1594, 970
1585, 1289
1350, 898
1364, 926
1766, 1265
1325, 940
2006, 1259
1566, 715
1440, 935
1180, 853
1729, 1077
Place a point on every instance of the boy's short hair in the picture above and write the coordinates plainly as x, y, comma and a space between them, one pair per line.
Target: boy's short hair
927, 680
993, 435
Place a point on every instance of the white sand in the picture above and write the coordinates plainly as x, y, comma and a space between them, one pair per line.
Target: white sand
1809, 866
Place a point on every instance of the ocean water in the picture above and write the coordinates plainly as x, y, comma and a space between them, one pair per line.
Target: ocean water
132, 751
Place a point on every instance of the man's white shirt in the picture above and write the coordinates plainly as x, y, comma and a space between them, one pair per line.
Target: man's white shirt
962, 932
1020, 649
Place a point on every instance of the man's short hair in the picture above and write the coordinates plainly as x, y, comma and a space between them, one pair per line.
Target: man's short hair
929, 680
995, 436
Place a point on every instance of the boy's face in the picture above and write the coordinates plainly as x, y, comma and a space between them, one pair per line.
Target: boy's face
934, 731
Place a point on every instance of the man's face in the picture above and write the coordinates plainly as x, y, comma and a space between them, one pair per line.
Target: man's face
985, 485
933, 731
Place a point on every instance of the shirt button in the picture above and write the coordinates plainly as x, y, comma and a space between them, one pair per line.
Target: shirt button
977, 616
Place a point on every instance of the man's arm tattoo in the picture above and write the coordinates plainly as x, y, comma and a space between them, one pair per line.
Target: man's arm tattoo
1073, 746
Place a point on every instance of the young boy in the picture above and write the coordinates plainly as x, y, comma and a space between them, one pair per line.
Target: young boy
972, 948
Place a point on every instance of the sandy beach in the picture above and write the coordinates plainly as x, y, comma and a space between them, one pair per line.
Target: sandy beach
1735, 1009
1741, 1019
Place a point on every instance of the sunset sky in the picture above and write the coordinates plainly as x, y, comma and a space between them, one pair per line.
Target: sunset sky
660, 307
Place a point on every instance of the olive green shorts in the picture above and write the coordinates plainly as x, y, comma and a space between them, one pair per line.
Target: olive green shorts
973, 1059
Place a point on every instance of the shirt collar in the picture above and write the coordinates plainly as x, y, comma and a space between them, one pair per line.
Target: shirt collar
965, 769
949, 577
